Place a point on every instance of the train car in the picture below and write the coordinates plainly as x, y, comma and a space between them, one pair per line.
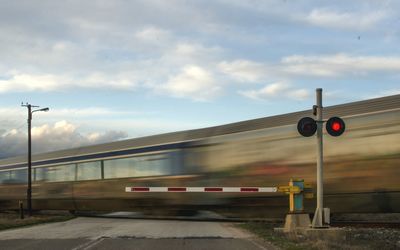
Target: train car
361, 167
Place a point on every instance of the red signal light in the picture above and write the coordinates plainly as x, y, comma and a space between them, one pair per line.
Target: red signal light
335, 126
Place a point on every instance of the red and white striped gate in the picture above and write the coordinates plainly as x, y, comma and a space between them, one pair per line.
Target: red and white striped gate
203, 189
295, 190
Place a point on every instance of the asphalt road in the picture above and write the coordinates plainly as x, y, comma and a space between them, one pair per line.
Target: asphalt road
105, 233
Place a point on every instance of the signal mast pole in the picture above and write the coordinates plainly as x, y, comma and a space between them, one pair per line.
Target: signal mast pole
307, 127
318, 215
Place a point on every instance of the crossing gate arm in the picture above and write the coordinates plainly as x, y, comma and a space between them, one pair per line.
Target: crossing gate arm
296, 190
203, 189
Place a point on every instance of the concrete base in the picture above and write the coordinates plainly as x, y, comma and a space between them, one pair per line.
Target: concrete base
332, 234
294, 222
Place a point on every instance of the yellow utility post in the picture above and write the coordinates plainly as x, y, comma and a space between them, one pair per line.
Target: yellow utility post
296, 218
295, 192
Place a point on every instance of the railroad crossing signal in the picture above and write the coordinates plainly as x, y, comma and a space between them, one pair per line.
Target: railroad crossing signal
335, 126
307, 126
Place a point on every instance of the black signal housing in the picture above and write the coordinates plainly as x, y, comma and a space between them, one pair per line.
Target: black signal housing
307, 126
335, 126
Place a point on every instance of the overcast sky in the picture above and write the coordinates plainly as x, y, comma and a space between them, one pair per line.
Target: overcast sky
111, 70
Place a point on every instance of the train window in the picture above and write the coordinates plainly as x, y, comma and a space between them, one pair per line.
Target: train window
119, 168
152, 166
89, 171
155, 165
39, 174
18, 176
60, 173
4, 177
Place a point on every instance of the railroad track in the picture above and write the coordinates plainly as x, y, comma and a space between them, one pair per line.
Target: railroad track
215, 217
369, 224
198, 217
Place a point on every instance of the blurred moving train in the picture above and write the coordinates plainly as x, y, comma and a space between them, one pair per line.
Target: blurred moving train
362, 167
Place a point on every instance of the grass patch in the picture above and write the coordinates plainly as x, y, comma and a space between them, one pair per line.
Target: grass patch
266, 232
12, 220
353, 238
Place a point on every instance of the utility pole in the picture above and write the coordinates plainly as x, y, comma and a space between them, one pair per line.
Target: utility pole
29, 190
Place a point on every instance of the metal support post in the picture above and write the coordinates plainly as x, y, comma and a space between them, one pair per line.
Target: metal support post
29, 191
318, 220
21, 210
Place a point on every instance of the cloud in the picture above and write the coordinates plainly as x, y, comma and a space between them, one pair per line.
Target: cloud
89, 112
13, 143
339, 64
148, 45
24, 82
244, 70
192, 82
17, 112
118, 57
92, 119
47, 137
20, 82
276, 90
153, 35
328, 18
195, 50
320, 66
14, 119
120, 81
